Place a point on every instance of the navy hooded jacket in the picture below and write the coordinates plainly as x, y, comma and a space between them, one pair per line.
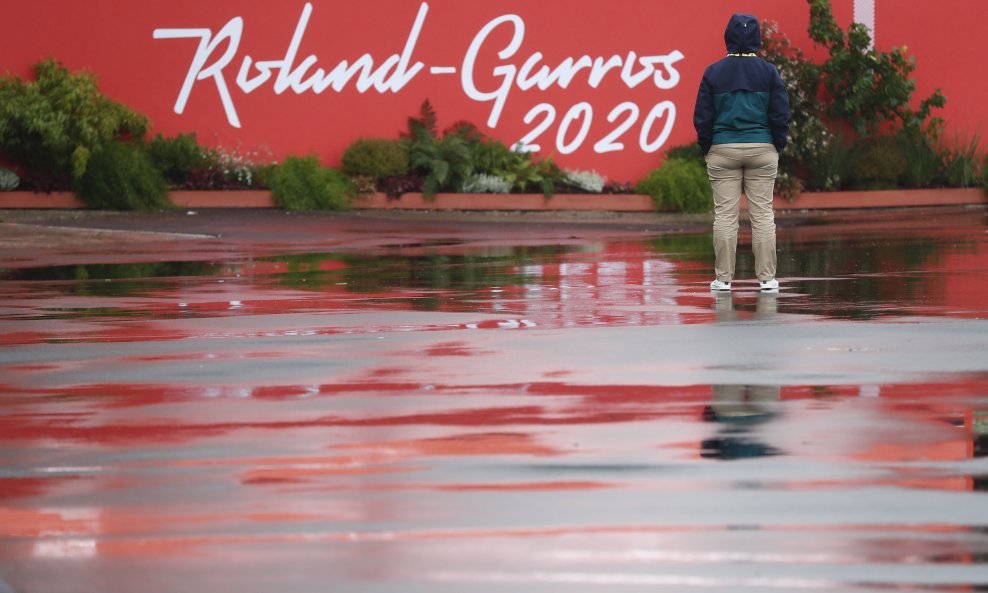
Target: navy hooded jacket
741, 97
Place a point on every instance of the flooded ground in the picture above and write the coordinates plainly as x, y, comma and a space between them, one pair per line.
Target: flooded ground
260, 402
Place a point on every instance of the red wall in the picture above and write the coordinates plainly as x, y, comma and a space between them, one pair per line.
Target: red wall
115, 39
944, 38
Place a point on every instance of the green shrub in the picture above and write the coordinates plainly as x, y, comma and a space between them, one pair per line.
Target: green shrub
53, 125
376, 157
687, 152
880, 164
177, 157
679, 186
302, 183
120, 176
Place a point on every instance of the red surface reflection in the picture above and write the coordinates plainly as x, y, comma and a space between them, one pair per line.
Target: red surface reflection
467, 413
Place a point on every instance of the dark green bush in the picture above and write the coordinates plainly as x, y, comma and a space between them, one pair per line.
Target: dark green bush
687, 152
880, 164
120, 176
177, 157
53, 125
376, 157
302, 183
678, 186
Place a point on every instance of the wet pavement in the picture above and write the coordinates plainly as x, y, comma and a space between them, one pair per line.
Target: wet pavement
256, 401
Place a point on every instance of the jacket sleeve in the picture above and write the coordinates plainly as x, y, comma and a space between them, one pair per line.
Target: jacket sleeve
703, 115
778, 112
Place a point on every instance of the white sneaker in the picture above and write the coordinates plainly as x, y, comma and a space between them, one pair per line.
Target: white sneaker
772, 284
719, 286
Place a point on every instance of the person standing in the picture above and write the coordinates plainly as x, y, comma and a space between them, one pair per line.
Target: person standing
742, 123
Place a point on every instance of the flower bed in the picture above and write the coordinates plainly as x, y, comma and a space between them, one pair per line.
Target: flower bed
523, 202
900, 198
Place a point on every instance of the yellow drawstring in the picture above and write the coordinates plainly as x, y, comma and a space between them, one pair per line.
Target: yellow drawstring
742, 55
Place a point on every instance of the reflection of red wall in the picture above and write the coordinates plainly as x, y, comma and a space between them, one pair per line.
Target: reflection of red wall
964, 283
147, 74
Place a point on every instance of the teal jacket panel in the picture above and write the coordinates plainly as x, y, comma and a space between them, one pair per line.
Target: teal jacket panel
741, 116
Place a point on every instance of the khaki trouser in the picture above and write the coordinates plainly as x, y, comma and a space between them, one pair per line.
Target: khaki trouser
752, 168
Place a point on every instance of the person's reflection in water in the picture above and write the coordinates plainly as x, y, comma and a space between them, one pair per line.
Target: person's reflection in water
741, 409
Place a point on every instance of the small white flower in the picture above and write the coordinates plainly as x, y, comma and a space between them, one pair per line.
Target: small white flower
590, 181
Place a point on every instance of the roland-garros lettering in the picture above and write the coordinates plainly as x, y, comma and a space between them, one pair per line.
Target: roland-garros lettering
210, 64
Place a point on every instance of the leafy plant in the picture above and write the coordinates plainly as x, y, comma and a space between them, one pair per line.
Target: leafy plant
446, 163
520, 169
54, 124
962, 164
811, 151
449, 161
427, 120
467, 130
493, 157
8, 180
868, 88
177, 158
678, 185
302, 183
376, 157
121, 176
541, 175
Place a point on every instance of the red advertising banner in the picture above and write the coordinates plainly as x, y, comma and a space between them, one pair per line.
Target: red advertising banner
597, 85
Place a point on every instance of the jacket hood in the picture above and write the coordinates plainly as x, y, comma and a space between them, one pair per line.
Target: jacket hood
743, 34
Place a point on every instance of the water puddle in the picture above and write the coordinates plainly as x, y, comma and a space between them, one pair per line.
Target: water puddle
451, 414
